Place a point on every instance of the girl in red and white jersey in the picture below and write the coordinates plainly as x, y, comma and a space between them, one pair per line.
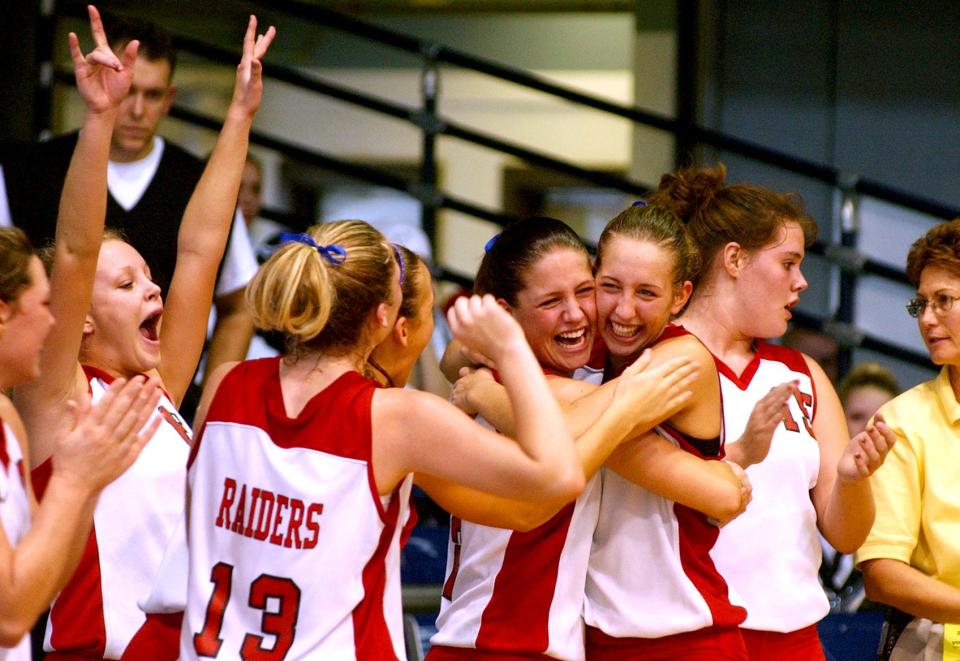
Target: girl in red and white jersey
652, 590
300, 479
516, 583
107, 327
41, 545
753, 240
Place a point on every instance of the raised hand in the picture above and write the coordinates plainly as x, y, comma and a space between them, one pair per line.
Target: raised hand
103, 79
248, 89
866, 451
754, 444
655, 393
107, 438
483, 327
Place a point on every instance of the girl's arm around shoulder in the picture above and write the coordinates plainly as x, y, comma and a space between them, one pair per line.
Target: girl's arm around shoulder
419, 432
715, 488
661, 387
487, 509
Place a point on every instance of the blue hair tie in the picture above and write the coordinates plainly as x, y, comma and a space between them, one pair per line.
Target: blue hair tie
333, 253
489, 245
639, 203
403, 267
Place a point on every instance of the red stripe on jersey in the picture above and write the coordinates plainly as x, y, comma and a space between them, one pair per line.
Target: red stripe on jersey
4, 455
76, 618
158, 639
456, 525
371, 636
525, 584
696, 537
40, 476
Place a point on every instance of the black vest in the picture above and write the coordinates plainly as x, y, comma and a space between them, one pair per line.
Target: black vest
34, 178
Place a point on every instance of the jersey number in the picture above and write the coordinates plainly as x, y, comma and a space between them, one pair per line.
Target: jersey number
281, 623
804, 401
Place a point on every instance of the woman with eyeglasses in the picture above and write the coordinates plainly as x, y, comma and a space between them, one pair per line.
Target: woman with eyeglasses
911, 559
752, 242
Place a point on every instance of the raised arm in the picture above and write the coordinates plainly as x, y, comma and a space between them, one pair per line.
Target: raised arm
842, 496
103, 81
418, 432
102, 444
206, 224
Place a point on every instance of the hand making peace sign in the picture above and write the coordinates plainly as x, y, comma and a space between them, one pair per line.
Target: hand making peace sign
103, 79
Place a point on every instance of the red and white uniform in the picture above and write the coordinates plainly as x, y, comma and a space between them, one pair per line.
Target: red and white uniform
770, 554
96, 613
651, 574
293, 553
14, 513
510, 592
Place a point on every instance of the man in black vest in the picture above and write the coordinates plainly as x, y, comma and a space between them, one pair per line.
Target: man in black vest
150, 182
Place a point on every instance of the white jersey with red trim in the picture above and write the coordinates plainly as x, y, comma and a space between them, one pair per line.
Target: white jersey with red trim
650, 572
293, 553
96, 613
14, 513
494, 574
771, 554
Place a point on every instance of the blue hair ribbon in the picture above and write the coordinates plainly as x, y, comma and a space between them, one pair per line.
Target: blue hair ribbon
403, 267
639, 203
489, 244
333, 253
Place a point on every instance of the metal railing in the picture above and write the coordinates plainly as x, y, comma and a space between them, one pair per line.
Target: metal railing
432, 125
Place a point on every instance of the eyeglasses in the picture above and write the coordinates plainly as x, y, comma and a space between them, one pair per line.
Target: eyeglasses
940, 304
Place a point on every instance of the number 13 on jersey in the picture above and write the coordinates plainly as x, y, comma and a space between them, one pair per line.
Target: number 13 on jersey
279, 618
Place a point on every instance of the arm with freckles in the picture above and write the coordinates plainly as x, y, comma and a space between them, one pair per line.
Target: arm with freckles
206, 224
663, 387
103, 81
842, 496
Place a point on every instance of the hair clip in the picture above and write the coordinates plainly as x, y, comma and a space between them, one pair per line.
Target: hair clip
639, 203
333, 253
489, 244
403, 267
